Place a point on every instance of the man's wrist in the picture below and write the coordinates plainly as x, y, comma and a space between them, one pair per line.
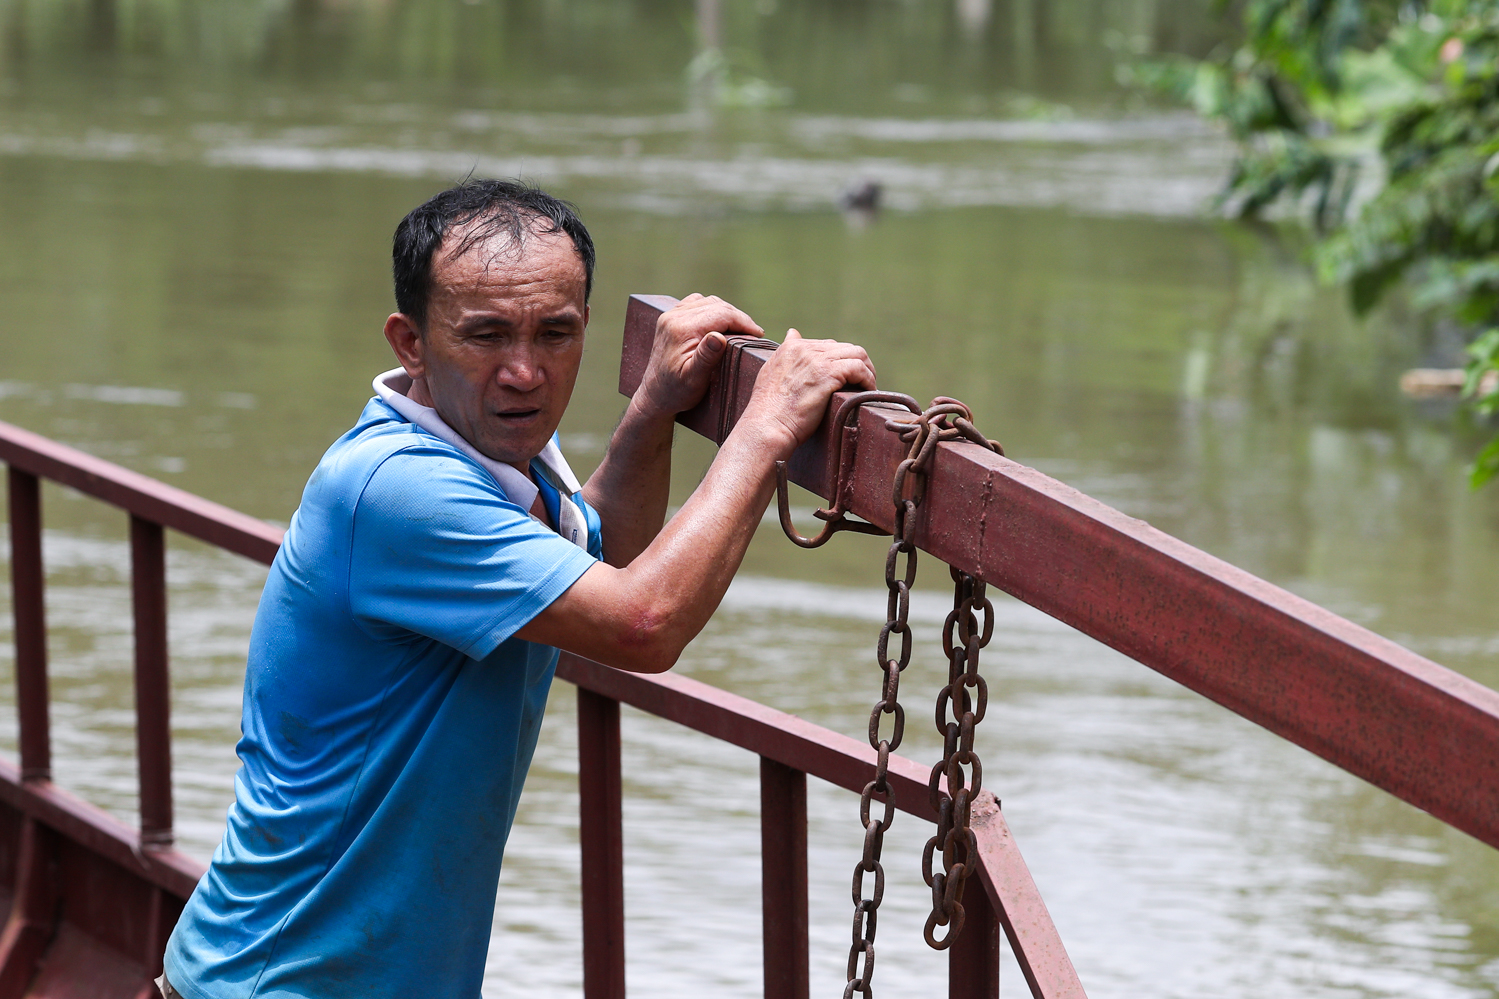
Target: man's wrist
644, 411
767, 438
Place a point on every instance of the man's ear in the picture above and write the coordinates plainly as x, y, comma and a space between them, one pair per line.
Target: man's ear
404, 338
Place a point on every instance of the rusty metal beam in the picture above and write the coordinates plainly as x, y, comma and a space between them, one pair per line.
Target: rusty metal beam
1422, 732
139, 494
1012, 892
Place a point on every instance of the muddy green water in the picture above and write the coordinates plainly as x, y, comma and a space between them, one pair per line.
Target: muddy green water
195, 207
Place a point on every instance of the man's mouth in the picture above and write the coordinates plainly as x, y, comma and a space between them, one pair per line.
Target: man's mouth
518, 415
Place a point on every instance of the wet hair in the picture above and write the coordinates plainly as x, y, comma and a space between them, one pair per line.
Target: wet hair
485, 209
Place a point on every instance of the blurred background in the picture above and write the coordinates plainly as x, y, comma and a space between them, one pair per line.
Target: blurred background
196, 202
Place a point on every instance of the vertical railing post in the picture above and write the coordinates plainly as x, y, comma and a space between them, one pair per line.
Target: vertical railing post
153, 727
973, 960
783, 879
33, 913
28, 602
601, 838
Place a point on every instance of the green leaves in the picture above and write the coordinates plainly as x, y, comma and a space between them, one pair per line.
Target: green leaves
1323, 93
1482, 388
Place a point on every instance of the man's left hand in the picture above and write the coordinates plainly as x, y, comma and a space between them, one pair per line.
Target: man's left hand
690, 341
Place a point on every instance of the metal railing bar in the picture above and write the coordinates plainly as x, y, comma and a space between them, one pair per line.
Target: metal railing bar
153, 685
28, 601
777, 736
1420, 731
783, 879
785, 738
33, 914
601, 841
1012, 892
847, 763
139, 494
973, 959
95, 829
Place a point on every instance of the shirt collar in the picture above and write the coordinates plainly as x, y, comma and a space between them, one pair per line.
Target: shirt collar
391, 387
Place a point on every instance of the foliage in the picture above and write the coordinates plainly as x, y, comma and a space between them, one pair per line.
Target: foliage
1485, 359
1380, 120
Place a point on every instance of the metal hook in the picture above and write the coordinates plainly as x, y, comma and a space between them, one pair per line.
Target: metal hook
835, 515
837, 520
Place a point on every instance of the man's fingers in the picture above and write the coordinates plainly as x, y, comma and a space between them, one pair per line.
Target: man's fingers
852, 371
696, 316
710, 348
720, 315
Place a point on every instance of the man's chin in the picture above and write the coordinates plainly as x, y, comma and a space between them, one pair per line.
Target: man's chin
510, 451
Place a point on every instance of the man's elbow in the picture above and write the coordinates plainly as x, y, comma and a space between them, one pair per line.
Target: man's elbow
643, 661
651, 643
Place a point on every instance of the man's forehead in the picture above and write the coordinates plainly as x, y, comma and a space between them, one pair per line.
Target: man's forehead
480, 253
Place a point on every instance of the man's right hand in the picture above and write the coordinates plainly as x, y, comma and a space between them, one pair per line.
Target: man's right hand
793, 389
689, 342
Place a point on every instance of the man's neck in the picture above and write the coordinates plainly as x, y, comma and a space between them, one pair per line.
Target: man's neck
418, 394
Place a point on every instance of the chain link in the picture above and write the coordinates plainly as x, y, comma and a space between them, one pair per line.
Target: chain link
966, 696
945, 420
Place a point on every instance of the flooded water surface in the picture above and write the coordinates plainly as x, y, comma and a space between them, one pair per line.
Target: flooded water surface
196, 203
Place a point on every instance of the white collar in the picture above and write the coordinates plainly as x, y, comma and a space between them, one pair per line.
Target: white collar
391, 386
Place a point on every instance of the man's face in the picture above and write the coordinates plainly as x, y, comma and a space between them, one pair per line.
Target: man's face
503, 341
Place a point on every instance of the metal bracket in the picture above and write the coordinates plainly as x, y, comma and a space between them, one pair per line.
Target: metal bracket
846, 447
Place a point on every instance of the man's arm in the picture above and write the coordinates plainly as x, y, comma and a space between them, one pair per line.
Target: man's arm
630, 487
641, 616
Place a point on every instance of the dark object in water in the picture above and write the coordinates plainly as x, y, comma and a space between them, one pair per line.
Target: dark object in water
864, 198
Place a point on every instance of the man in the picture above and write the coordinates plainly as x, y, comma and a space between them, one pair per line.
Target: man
442, 553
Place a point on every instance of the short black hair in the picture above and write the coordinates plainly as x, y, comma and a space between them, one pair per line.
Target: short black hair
510, 207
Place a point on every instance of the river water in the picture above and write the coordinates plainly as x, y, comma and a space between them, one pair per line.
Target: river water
195, 208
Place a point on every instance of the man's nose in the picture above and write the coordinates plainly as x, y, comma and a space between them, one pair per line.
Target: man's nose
521, 370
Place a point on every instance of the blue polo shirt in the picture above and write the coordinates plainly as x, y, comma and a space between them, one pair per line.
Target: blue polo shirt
389, 719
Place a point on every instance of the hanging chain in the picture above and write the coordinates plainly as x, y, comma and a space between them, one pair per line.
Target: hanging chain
945, 420
954, 836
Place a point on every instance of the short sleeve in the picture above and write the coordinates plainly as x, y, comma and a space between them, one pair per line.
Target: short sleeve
437, 550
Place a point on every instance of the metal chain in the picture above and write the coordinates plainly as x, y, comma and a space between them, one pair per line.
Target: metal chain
945, 420
954, 836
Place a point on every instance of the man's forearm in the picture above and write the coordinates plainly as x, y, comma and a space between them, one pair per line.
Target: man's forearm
631, 486
639, 617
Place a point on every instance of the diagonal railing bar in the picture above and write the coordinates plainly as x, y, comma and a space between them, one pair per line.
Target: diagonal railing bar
151, 501
1400, 721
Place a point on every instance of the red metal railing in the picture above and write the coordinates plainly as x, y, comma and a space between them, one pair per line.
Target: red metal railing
1408, 725
1416, 729
134, 879
86, 892
790, 749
